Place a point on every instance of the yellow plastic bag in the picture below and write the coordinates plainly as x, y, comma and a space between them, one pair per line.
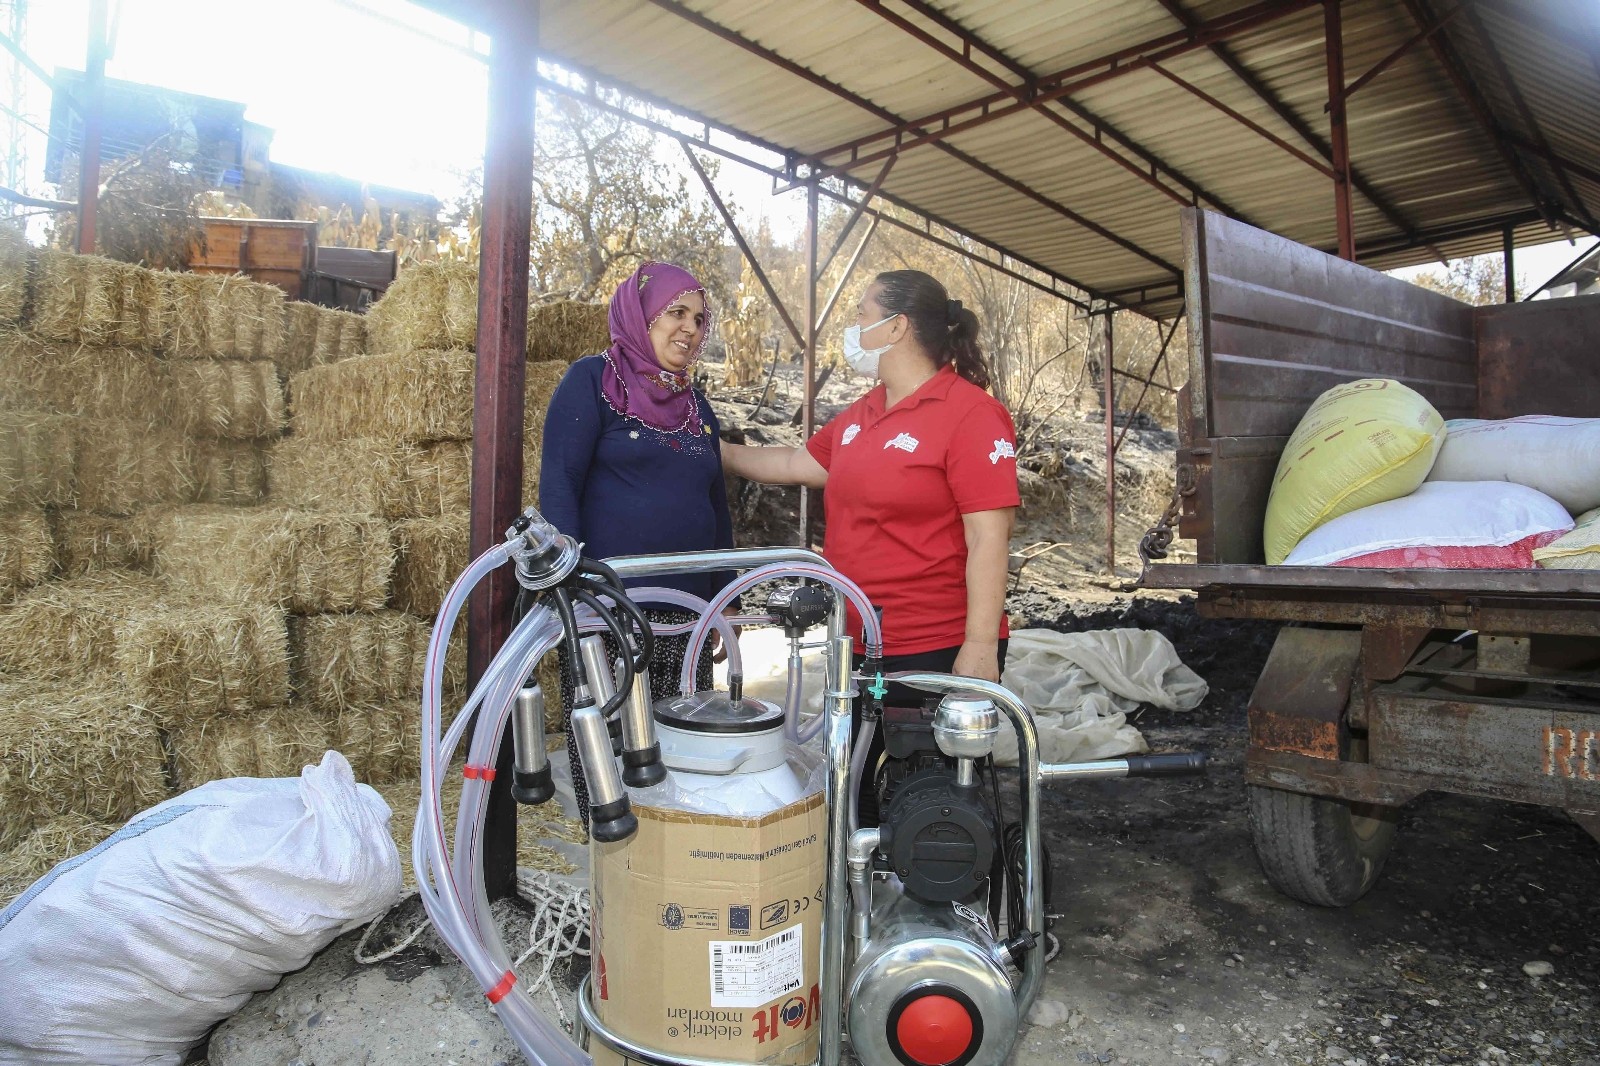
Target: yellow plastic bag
1578, 550
1362, 443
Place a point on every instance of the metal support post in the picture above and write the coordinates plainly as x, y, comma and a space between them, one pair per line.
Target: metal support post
1508, 246
744, 245
844, 278
94, 92
499, 383
808, 413
1111, 443
1333, 34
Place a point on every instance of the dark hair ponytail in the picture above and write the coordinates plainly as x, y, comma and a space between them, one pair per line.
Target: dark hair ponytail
945, 328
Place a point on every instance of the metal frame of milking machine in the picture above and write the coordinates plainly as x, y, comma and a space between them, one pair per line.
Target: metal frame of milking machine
839, 701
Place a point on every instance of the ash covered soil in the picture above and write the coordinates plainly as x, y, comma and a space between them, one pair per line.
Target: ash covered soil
1476, 946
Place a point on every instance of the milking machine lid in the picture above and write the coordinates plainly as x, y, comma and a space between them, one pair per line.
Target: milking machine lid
714, 712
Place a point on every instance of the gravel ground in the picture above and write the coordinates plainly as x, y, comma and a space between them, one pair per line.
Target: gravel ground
1477, 945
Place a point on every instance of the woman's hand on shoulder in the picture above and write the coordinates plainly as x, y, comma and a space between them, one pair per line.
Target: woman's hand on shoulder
774, 465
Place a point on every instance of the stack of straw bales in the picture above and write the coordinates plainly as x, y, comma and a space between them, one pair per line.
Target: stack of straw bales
225, 529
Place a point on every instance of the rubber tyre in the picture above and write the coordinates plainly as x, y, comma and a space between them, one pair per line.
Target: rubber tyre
1320, 851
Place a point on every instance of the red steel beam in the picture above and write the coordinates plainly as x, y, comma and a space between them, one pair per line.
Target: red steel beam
1333, 43
808, 409
1244, 120
94, 91
1393, 57
1149, 379
1529, 122
790, 66
1473, 99
1292, 119
855, 213
1544, 151
1148, 168
744, 245
499, 381
984, 110
1111, 445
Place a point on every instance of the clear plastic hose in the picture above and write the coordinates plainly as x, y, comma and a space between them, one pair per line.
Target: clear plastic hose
872, 634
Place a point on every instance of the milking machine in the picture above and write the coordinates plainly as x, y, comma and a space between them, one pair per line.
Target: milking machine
932, 922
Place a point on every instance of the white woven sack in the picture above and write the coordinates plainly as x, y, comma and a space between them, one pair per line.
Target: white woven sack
131, 952
1558, 456
1451, 515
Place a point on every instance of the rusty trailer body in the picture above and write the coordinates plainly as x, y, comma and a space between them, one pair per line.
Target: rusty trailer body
1386, 683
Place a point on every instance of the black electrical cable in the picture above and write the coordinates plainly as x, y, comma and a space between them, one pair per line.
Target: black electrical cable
620, 635
596, 568
1013, 844
646, 644
562, 603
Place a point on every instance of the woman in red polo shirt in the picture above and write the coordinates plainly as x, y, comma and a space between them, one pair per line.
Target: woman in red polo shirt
920, 477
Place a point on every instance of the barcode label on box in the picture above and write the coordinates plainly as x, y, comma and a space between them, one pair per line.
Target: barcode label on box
747, 973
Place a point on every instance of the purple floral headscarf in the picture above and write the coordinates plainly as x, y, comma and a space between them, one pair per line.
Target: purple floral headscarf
634, 383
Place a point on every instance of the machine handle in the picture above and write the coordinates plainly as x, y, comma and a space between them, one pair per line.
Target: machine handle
1171, 764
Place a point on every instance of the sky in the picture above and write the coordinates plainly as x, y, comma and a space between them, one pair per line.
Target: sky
391, 100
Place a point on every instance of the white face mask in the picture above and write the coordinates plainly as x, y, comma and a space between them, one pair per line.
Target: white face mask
864, 360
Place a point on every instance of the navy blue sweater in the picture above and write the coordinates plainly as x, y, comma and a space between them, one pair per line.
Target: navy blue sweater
624, 488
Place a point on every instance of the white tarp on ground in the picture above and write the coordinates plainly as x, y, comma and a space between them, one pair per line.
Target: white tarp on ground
1080, 686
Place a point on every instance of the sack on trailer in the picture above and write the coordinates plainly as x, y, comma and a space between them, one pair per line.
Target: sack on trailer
1450, 525
1361, 443
1558, 456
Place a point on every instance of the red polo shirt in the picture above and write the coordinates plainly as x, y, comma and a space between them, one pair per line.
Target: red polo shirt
898, 483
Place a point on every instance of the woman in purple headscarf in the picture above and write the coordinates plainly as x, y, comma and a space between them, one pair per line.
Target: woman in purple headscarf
632, 462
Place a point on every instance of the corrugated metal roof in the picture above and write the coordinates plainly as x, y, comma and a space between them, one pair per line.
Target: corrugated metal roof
1492, 121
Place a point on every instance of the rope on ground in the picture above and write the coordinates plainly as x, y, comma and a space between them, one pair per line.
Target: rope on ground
557, 932
393, 950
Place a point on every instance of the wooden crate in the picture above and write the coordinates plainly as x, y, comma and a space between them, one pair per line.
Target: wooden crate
281, 252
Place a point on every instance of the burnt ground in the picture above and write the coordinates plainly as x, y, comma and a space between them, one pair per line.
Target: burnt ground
1175, 948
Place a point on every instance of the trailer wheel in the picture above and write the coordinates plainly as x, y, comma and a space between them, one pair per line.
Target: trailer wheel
1320, 851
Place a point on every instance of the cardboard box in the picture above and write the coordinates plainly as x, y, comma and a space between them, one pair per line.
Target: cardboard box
707, 934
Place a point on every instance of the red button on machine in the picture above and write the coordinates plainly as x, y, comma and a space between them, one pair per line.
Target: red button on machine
934, 1030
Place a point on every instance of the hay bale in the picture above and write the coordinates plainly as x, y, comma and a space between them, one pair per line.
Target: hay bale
233, 400
74, 748
123, 467
352, 334
306, 561
88, 543
49, 843
230, 312
272, 307
27, 551
67, 629
230, 473
182, 313
182, 660
297, 350
542, 379
421, 396
341, 660
430, 305
364, 475
430, 554
545, 821
15, 257
36, 451
139, 325
566, 330
58, 294
101, 383
267, 742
